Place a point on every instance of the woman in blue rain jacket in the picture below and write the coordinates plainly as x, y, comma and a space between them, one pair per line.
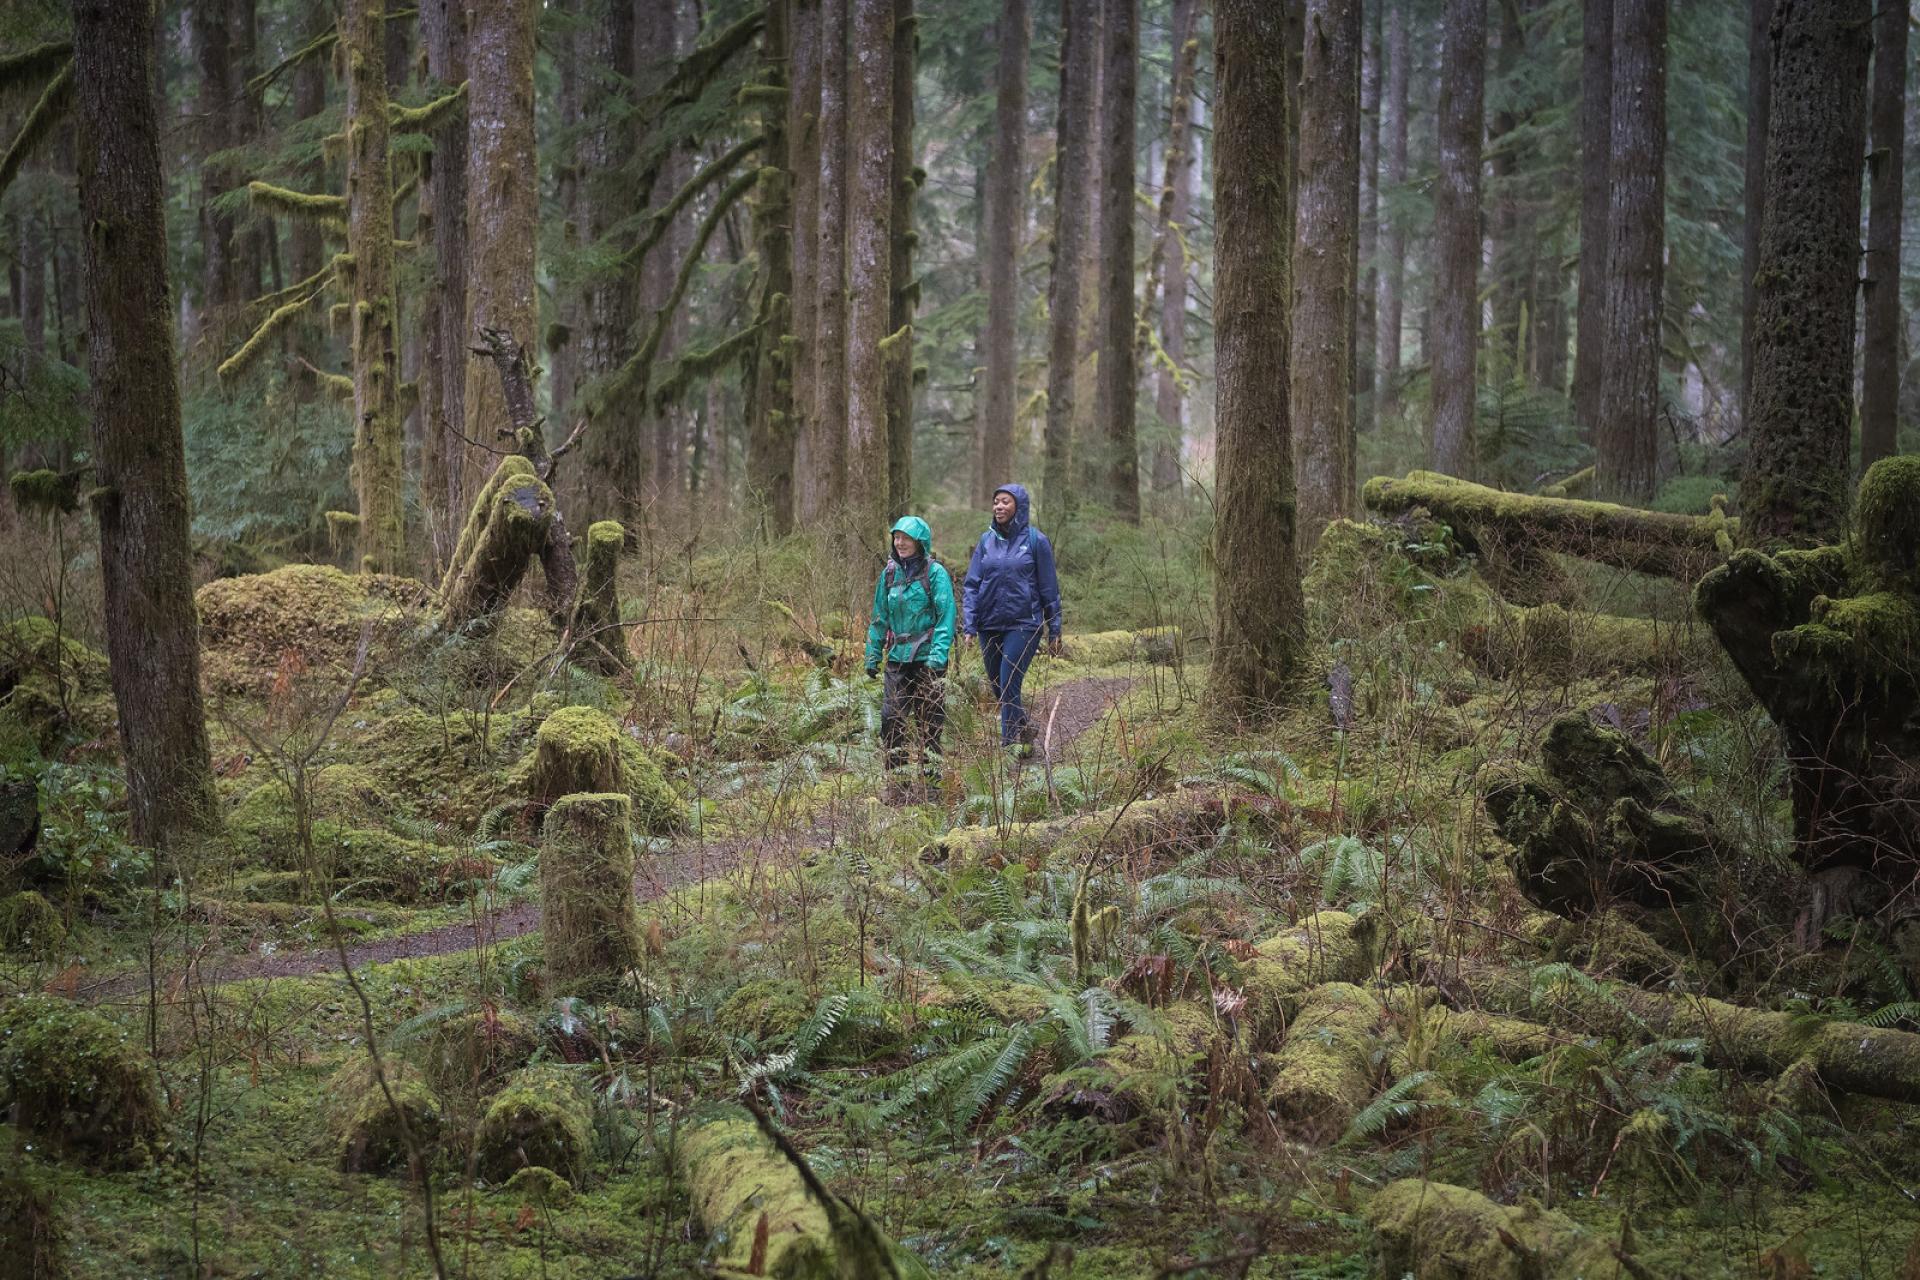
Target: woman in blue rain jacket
1010, 600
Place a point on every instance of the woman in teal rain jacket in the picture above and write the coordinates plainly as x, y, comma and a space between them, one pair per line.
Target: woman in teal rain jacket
911, 631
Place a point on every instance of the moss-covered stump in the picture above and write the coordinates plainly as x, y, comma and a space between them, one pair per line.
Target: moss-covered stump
50, 682
1497, 525
1437, 1231
19, 828
577, 749
506, 528
303, 620
758, 1207
471, 1052
538, 1118
29, 923
599, 642
1325, 1071
1828, 639
588, 925
77, 1081
1598, 821
1549, 642
1169, 823
32, 1244
371, 1134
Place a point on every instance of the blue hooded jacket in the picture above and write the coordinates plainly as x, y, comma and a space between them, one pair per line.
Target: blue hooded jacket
1011, 582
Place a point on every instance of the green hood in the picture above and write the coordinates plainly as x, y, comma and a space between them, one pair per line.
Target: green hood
916, 528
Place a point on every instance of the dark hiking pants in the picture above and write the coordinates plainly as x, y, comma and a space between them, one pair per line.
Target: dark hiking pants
913, 696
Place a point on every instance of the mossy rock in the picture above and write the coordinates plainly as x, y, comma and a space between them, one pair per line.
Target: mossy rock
369, 1135
537, 1118
76, 1080
471, 1052
51, 684
303, 618
540, 1187
31, 1239
29, 923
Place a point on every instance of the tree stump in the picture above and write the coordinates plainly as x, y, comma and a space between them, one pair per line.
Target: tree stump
577, 749
1828, 639
587, 923
506, 527
599, 643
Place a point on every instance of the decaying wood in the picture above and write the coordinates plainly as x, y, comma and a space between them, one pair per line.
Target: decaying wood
507, 526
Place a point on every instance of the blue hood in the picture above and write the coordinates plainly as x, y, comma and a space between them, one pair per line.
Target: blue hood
1021, 504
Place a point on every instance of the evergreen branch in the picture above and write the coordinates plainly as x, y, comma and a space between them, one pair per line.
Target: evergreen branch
47, 112
699, 67
428, 116
279, 318
701, 364
299, 205
657, 221
639, 366
311, 49
297, 289
17, 69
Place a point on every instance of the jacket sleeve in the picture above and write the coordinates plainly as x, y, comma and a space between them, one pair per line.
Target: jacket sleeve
941, 646
877, 623
1049, 583
970, 592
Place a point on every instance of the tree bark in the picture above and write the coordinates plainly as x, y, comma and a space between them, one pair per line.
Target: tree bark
906, 290
803, 168
304, 245
1596, 133
1167, 262
1880, 375
443, 211
1327, 214
1118, 369
505, 530
1456, 234
379, 468
1366, 322
1801, 421
146, 557
1257, 616
770, 412
1393, 280
1626, 439
870, 270
217, 112
502, 198
825, 481
1759, 108
1005, 184
1073, 171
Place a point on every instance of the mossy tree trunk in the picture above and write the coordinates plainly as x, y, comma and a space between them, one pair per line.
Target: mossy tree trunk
770, 412
906, 290
1176, 213
869, 275
1800, 415
1393, 276
1118, 368
1759, 109
1596, 152
443, 215
1257, 617
505, 530
1073, 162
1366, 323
379, 474
1326, 221
1625, 438
596, 618
1880, 371
1456, 233
803, 174
824, 478
1006, 183
146, 557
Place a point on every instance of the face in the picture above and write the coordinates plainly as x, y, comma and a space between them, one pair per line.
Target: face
903, 546
1003, 505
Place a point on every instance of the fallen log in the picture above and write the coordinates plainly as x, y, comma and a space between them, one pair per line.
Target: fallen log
1437, 1231
1550, 642
1178, 818
1325, 1071
1509, 531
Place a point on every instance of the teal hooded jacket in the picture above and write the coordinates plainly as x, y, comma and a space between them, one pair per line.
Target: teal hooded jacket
913, 614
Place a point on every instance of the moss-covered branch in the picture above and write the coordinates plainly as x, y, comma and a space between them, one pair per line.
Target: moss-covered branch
19, 69
656, 222
250, 350
51, 108
704, 363
1164, 821
327, 210
695, 70
428, 116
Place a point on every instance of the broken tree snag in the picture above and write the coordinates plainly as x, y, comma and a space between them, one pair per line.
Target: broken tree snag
506, 527
768, 1213
588, 927
1164, 823
1552, 643
1325, 1071
1828, 639
515, 365
1492, 523
1597, 821
1436, 1231
598, 641
1848, 1056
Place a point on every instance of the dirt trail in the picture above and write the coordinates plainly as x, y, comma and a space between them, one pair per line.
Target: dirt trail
1070, 708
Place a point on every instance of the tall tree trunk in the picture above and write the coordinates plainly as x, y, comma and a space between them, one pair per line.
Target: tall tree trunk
803, 168
1072, 175
502, 199
1114, 402
1366, 323
379, 469
1512, 238
1168, 257
1880, 376
1006, 180
1257, 615
906, 291
770, 409
564, 336
215, 112
443, 204
1627, 439
1327, 213
1393, 280
304, 244
1089, 446
1596, 131
1456, 234
1759, 108
1797, 479
146, 558
870, 287
826, 481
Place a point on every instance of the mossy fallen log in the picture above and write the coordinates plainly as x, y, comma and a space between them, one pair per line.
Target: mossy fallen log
1159, 822
506, 528
538, 1120
1516, 527
472, 1052
1437, 1231
77, 1082
1155, 646
369, 1134
599, 643
768, 1214
1325, 1071
588, 927
1553, 643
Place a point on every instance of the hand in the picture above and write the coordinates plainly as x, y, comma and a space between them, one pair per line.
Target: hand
1054, 647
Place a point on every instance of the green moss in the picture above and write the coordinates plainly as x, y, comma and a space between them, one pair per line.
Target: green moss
472, 1051
369, 1135
1329, 946
77, 1081
297, 621
577, 749
380, 864
1886, 525
1325, 1071
29, 923
46, 491
32, 1242
1435, 1231
588, 925
764, 1009
50, 682
538, 1118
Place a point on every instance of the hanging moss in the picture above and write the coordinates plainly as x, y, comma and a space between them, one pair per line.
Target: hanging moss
537, 1119
75, 1080
46, 491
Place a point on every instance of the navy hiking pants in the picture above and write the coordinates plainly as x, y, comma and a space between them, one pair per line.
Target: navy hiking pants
1007, 654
